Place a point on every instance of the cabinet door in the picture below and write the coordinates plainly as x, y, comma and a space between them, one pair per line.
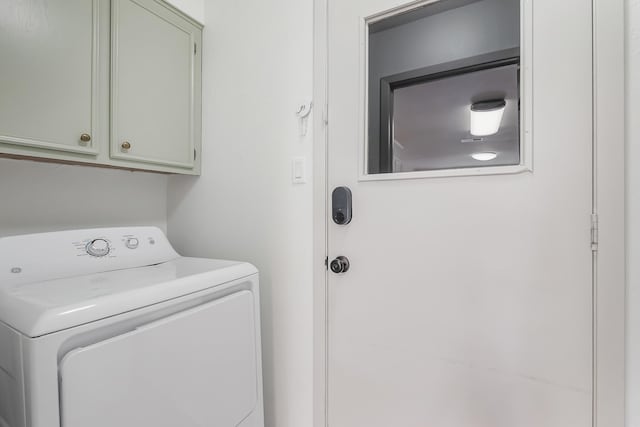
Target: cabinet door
48, 74
153, 81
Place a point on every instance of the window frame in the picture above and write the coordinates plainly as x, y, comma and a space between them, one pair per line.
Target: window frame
526, 102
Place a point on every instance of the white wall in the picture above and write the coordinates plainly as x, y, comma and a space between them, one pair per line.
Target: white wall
257, 67
193, 8
633, 213
37, 197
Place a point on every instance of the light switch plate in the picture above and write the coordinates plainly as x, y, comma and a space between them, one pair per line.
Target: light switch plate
298, 170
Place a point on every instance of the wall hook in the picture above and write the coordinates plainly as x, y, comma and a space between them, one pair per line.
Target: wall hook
303, 115
304, 110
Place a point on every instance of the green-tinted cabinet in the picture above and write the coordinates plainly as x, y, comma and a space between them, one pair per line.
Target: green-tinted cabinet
49, 75
154, 77
107, 82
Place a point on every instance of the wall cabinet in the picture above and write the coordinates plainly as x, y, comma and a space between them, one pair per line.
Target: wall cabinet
105, 82
153, 62
49, 76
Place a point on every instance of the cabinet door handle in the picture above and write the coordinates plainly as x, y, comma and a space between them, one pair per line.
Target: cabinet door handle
126, 145
85, 137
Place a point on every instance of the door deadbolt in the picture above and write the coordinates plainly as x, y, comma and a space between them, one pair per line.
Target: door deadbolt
341, 206
340, 265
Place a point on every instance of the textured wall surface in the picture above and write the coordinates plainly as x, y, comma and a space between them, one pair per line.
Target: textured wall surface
193, 8
37, 197
257, 69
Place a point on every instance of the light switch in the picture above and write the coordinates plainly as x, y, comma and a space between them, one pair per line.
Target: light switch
298, 170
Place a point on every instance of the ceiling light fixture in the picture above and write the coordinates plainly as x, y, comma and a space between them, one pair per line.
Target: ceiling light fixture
486, 117
485, 156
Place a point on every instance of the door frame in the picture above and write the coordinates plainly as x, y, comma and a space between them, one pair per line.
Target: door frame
608, 188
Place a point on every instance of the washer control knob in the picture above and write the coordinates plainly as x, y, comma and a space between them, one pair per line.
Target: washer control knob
98, 247
131, 243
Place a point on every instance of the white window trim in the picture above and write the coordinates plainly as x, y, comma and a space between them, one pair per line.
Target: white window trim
526, 100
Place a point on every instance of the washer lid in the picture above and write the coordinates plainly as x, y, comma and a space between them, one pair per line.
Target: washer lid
54, 281
40, 308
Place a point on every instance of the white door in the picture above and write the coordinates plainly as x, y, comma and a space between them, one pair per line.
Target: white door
468, 301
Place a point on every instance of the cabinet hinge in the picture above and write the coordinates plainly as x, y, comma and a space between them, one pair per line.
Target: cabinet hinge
326, 263
594, 232
195, 48
194, 154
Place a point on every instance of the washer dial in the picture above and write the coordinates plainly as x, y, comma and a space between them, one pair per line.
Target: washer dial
98, 247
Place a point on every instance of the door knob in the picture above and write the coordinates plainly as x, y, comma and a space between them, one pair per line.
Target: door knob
340, 265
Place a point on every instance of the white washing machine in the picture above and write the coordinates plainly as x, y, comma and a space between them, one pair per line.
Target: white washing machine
111, 327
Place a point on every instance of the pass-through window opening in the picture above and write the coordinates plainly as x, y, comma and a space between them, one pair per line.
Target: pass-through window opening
444, 87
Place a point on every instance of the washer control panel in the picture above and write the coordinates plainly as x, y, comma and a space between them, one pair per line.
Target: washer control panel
118, 245
132, 242
76, 252
98, 247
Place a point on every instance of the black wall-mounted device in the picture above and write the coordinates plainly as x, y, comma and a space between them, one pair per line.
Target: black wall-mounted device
341, 211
